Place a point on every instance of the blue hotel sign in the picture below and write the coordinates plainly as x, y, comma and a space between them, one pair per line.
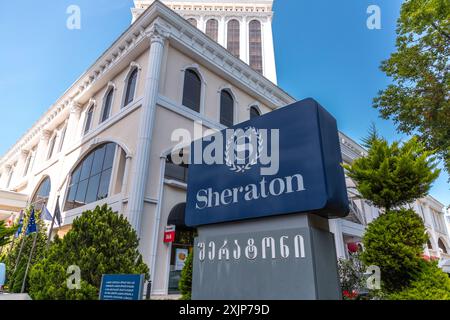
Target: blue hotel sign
121, 287
287, 161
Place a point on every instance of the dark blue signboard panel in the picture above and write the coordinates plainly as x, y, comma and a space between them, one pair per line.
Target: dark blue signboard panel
121, 287
309, 177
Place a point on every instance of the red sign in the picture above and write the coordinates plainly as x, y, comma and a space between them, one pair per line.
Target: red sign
169, 234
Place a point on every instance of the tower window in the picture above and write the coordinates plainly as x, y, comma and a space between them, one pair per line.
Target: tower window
233, 38
255, 46
192, 21
212, 29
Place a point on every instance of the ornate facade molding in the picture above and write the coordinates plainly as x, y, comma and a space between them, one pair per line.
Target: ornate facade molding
171, 26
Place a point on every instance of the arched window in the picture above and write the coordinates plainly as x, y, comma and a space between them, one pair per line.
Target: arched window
62, 138
42, 194
51, 147
254, 112
226, 108
429, 245
442, 246
107, 104
90, 180
192, 90
27, 164
255, 46
233, 37
88, 122
192, 21
212, 29
131, 87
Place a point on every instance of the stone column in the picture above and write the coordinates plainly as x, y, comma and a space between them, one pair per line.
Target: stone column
140, 168
244, 45
269, 68
72, 123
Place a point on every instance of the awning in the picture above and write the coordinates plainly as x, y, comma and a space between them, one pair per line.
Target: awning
176, 216
11, 202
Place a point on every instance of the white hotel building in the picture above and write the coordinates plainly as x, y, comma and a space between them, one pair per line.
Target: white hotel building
108, 138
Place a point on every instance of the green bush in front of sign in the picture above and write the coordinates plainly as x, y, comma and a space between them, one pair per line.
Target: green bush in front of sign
394, 242
431, 284
100, 242
185, 284
390, 177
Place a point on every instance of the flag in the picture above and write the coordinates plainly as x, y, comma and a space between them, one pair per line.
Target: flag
19, 230
31, 227
47, 214
58, 213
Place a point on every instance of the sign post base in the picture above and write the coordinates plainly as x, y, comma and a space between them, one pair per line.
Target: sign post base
290, 257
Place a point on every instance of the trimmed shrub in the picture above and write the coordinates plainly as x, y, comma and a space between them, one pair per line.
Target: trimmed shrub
431, 284
185, 284
100, 242
394, 242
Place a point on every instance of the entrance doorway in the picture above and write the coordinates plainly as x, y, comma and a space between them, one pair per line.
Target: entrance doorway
181, 247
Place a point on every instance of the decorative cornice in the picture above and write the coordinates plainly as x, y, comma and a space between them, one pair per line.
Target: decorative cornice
75, 107
187, 34
45, 135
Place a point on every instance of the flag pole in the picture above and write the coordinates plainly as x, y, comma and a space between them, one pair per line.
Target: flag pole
51, 230
22, 242
28, 263
53, 222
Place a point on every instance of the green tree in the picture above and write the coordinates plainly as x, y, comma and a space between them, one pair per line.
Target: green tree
15, 273
6, 233
418, 98
185, 284
392, 175
395, 242
431, 284
100, 242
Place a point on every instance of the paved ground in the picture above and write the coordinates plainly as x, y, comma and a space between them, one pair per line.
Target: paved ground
14, 296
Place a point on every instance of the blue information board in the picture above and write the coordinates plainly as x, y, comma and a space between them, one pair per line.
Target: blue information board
305, 176
122, 287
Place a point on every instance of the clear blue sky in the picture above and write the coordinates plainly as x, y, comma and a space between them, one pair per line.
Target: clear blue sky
323, 50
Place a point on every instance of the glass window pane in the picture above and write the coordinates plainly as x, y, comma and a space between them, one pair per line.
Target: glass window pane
255, 46
254, 113
72, 192
91, 194
192, 90
81, 192
233, 37
88, 120
131, 87
76, 175
109, 156
104, 184
86, 167
107, 105
226, 109
97, 164
212, 29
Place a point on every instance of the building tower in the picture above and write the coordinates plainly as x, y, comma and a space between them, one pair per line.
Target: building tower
244, 27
